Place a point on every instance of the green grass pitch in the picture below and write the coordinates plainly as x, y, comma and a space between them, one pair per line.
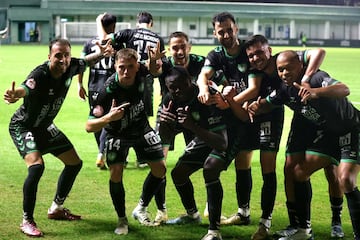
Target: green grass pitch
90, 197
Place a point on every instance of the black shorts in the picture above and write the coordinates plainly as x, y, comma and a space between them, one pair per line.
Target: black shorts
93, 95
307, 137
264, 133
270, 129
148, 147
349, 147
43, 139
197, 151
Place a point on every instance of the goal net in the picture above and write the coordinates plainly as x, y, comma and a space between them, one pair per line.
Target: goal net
80, 32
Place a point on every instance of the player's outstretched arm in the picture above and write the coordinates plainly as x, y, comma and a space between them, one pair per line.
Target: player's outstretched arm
338, 90
115, 113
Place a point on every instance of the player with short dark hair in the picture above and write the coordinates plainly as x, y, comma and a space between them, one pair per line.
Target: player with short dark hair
120, 110
322, 103
208, 149
141, 39
231, 58
34, 133
179, 50
98, 74
261, 59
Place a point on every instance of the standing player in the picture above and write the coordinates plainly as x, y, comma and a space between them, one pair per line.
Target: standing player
179, 49
99, 72
322, 103
230, 57
34, 133
120, 109
259, 53
207, 150
141, 39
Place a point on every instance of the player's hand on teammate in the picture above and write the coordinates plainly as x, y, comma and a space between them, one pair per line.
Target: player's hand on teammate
229, 92
204, 95
220, 101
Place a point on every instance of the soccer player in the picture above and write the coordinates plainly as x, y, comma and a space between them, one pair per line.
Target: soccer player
322, 103
98, 74
120, 110
263, 64
207, 150
141, 39
179, 50
34, 133
231, 58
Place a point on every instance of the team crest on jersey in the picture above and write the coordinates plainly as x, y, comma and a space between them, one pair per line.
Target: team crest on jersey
196, 116
30, 83
141, 87
30, 145
273, 93
242, 67
207, 62
111, 156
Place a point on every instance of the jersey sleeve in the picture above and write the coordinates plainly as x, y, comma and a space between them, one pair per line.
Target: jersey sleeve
276, 97
33, 80
212, 61
322, 79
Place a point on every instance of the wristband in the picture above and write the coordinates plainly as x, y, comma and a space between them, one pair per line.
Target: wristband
305, 79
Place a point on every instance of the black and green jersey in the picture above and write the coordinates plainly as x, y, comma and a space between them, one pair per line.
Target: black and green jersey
101, 70
194, 66
138, 39
135, 120
206, 116
45, 94
235, 68
337, 115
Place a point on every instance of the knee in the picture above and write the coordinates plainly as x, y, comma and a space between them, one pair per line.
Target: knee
178, 176
347, 182
158, 169
116, 173
289, 170
210, 174
300, 174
